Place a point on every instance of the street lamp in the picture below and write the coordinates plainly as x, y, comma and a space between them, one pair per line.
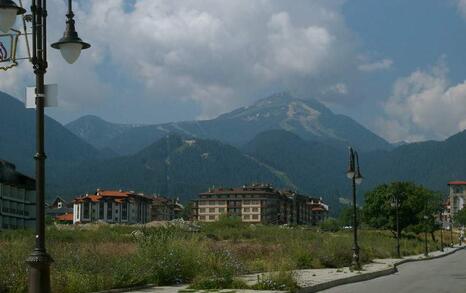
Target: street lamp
8, 12
39, 260
441, 230
426, 251
353, 173
396, 204
451, 234
70, 45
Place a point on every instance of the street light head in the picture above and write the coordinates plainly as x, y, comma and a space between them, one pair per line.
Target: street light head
8, 12
358, 176
70, 45
70, 48
350, 172
358, 180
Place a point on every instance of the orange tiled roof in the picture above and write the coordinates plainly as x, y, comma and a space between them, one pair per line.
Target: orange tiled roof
117, 195
65, 218
318, 209
457, 183
114, 193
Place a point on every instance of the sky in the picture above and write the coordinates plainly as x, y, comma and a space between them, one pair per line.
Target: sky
398, 67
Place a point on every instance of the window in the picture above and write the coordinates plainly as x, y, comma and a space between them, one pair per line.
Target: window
255, 209
201, 217
124, 211
101, 210
246, 210
246, 217
211, 210
221, 202
221, 210
255, 217
86, 210
246, 202
202, 210
212, 202
109, 210
202, 203
211, 217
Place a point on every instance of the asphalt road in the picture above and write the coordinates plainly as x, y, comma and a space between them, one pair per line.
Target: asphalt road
442, 275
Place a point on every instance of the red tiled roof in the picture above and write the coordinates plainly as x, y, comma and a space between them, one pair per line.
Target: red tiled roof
114, 193
318, 209
65, 218
117, 195
457, 183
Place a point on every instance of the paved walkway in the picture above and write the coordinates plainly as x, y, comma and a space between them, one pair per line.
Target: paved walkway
447, 274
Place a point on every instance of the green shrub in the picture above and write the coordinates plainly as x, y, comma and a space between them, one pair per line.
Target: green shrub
280, 281
330, 225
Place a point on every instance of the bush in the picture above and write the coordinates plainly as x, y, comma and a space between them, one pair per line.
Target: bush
280, 281
330, 225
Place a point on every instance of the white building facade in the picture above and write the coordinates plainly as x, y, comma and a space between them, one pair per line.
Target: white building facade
17, 199
112, 207
457, 196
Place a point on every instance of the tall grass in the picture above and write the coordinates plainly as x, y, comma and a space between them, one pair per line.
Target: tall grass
96, 257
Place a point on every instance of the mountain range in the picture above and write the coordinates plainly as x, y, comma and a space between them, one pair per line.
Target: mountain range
307, 118
288, 142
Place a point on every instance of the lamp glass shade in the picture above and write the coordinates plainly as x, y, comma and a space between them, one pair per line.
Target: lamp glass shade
7, 18
350, 174
71, 51
358, 180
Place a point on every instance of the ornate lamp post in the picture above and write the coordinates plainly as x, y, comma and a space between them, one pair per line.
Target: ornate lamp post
441, 230
426, 249
353, 173
70, 46
396, 204
451, 234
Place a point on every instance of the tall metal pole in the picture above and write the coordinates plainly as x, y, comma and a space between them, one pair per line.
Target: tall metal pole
441, 238
451, 234
426, 250
39, 260
355, 261
397, 203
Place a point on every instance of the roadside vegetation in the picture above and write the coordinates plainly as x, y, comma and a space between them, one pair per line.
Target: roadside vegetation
90, 258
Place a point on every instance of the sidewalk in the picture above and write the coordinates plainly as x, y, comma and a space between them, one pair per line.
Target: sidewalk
314, 280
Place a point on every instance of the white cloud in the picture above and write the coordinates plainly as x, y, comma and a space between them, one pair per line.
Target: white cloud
219, 53
424, 106
462, 7
215, 54
338, 88
383, 64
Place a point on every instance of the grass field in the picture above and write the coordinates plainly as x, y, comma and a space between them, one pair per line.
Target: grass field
96, 257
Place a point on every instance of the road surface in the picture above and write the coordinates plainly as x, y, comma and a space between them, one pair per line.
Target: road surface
442, 275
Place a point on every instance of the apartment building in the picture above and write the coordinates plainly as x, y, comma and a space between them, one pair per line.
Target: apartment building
257, 203
457, 195
165, 209
17, 198
112, 206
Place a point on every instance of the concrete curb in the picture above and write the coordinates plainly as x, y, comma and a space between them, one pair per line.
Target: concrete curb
369, 276
128, 289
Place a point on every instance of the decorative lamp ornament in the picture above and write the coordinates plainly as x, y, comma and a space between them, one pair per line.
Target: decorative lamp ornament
350, 171
8, 12
70, 45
